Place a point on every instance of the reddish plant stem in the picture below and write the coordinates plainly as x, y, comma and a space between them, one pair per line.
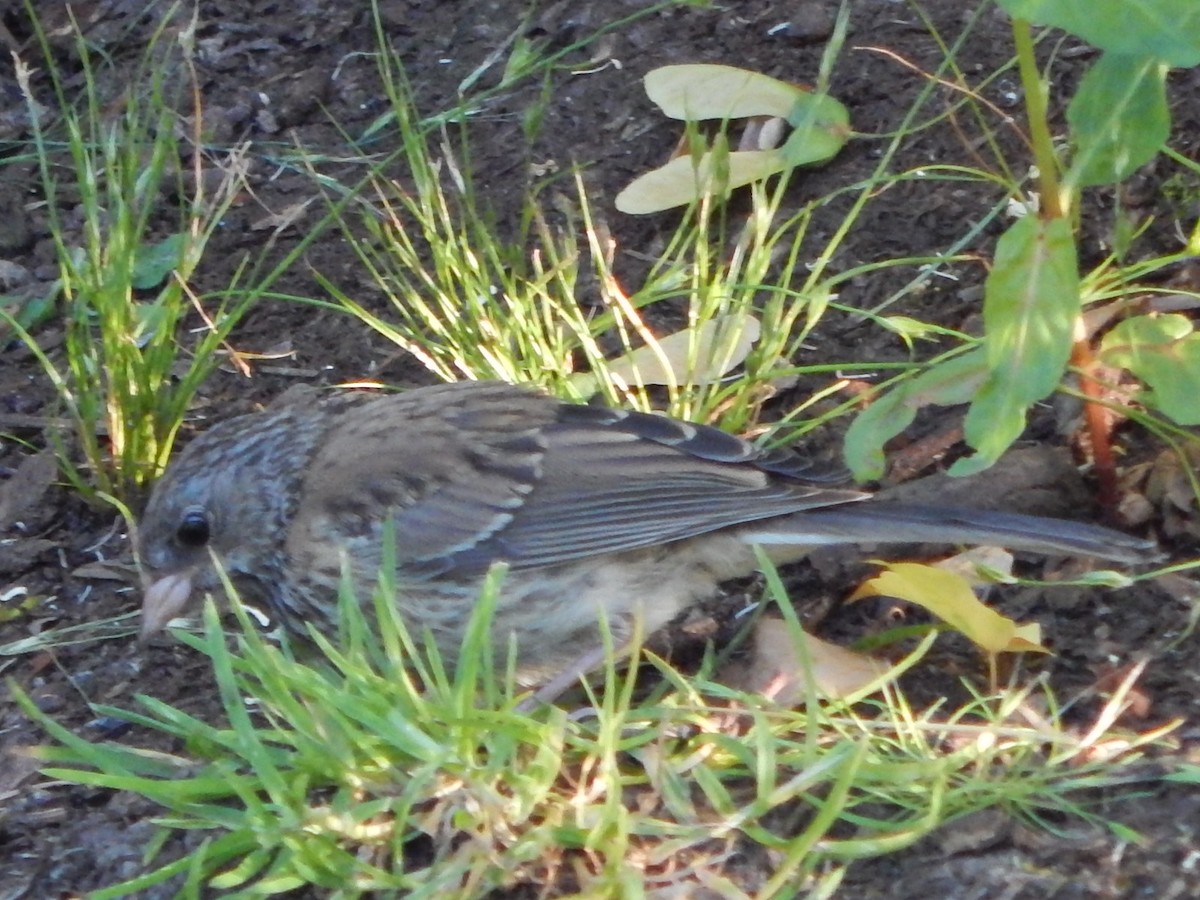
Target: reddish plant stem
1099, 428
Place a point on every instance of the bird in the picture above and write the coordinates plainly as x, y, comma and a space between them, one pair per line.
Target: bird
604, 518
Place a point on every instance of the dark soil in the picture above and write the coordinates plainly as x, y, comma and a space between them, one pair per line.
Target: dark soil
287, 74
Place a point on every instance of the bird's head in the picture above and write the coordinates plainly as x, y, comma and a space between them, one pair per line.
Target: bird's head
223, 505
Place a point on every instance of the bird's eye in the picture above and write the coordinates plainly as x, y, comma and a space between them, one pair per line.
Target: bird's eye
193, 530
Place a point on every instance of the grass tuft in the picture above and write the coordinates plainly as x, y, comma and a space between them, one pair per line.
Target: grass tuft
369, 766
122, 376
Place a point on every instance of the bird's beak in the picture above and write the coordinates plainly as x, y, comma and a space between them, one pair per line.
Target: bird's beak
164, 599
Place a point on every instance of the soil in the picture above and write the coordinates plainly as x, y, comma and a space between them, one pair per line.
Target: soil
302, 73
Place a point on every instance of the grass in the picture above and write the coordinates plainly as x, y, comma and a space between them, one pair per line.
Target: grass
545, 304
125, 292
371, 767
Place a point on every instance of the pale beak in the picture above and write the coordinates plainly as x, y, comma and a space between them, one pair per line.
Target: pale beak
163, 600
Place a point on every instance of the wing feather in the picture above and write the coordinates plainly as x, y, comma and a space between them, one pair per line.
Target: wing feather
485, 472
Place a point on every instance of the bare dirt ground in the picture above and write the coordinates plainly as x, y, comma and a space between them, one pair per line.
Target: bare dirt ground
301, 73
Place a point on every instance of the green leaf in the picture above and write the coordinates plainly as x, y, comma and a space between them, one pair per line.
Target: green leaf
1031, 303
1163, 351
1119, 119
820, 110
813, 142
994, 421
1127, 336
29, 311
1187, 773
155, 262
1164, 29
945, 384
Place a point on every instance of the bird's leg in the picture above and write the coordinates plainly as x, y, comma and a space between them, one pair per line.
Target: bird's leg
615, 639
564, 680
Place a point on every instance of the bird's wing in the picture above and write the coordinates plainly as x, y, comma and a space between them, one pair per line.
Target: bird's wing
481, 473
450, 464
614, 481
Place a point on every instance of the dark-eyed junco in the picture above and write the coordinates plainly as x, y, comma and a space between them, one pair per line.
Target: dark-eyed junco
593, 509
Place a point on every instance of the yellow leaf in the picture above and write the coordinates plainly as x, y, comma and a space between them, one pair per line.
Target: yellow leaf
683, 180
693, 92
948, 595
696, 356
702, 91
1027, 639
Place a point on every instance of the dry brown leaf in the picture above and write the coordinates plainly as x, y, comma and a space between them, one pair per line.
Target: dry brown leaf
779, 669
106, 571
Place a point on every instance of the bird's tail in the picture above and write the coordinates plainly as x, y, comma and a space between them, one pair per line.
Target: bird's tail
884, 522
